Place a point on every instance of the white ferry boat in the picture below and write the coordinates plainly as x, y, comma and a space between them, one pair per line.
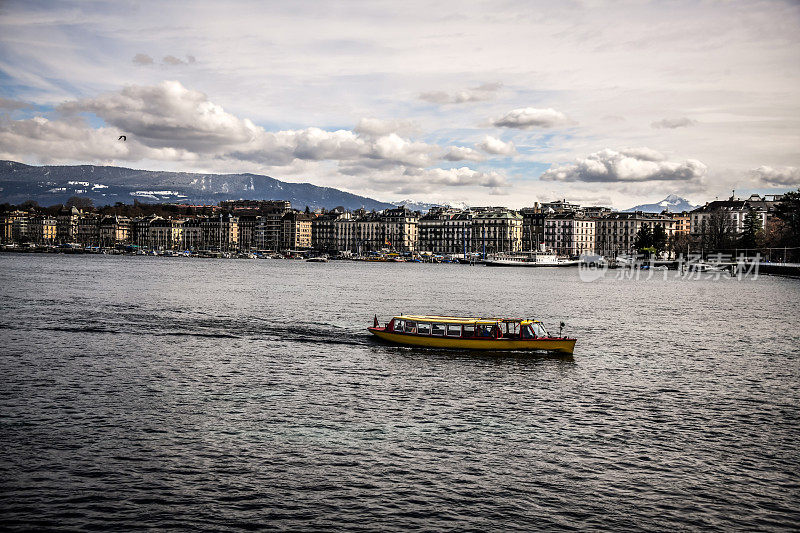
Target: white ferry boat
528, 259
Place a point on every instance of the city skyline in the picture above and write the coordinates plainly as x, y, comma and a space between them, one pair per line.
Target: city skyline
483, 104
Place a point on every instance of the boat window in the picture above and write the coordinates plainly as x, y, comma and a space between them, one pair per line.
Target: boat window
453, 330
423, 329
437, 329
538, 330
469, 330
411, 327
398, 325
510, 329
526, 332
485, 330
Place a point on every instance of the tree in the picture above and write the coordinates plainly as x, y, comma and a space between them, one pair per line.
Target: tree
679, 244
788, 210
659, 238
81, 202
752, 230
644, 238
720, 230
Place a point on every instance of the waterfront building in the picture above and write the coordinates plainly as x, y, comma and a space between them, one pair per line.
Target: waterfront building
457, 237
88, 233
296, 231
727, 217
371, 234
268, 230
431, 227
247, 231
192, 234
220, 232
140, 230
67, 224
345, 229
15, 226
165, 234
444, 230
533, 222
323, 230
114, 230
682, 221
400, 227
42, 229
616, 233
570, 234
496, 229
5, 228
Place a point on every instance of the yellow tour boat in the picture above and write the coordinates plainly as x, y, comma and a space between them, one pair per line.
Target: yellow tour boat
471, 333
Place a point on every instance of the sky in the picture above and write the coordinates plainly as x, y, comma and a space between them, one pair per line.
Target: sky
482, 103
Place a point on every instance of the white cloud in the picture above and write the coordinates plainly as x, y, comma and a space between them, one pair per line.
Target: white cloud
168, 122
458, 177
637, 165
168, 115
485, 91
415, 180
71, 140
407, 180
494, 146
778, 176
672, 123
530, 117
310, 144
462, 153
395, 149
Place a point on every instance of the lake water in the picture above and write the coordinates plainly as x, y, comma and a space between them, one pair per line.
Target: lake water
146, 392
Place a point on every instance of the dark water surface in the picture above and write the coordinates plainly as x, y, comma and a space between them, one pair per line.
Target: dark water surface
141, 392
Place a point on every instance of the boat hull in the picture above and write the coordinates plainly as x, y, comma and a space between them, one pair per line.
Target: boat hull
501, 263
561, 345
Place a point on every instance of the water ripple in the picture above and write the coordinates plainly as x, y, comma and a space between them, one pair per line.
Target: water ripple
225, 396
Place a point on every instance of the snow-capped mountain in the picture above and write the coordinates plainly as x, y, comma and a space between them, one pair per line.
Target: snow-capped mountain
424, 207
106, 185
672, 203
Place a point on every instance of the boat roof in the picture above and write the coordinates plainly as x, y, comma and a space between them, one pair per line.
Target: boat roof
461, 319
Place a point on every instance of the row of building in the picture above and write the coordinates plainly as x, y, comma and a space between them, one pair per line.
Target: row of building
568, 229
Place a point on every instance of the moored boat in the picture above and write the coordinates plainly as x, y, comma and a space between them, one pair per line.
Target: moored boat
471, 333
528, 259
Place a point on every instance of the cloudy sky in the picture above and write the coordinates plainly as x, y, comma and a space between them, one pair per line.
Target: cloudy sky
501, 103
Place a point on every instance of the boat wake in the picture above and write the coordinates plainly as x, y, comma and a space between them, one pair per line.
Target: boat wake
213, 328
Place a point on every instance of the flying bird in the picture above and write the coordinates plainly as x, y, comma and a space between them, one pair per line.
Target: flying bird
122, 138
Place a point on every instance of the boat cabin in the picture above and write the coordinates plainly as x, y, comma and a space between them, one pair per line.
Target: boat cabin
467, 328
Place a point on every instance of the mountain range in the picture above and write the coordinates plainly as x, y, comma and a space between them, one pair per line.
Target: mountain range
672, 203
424, 207
106, 185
